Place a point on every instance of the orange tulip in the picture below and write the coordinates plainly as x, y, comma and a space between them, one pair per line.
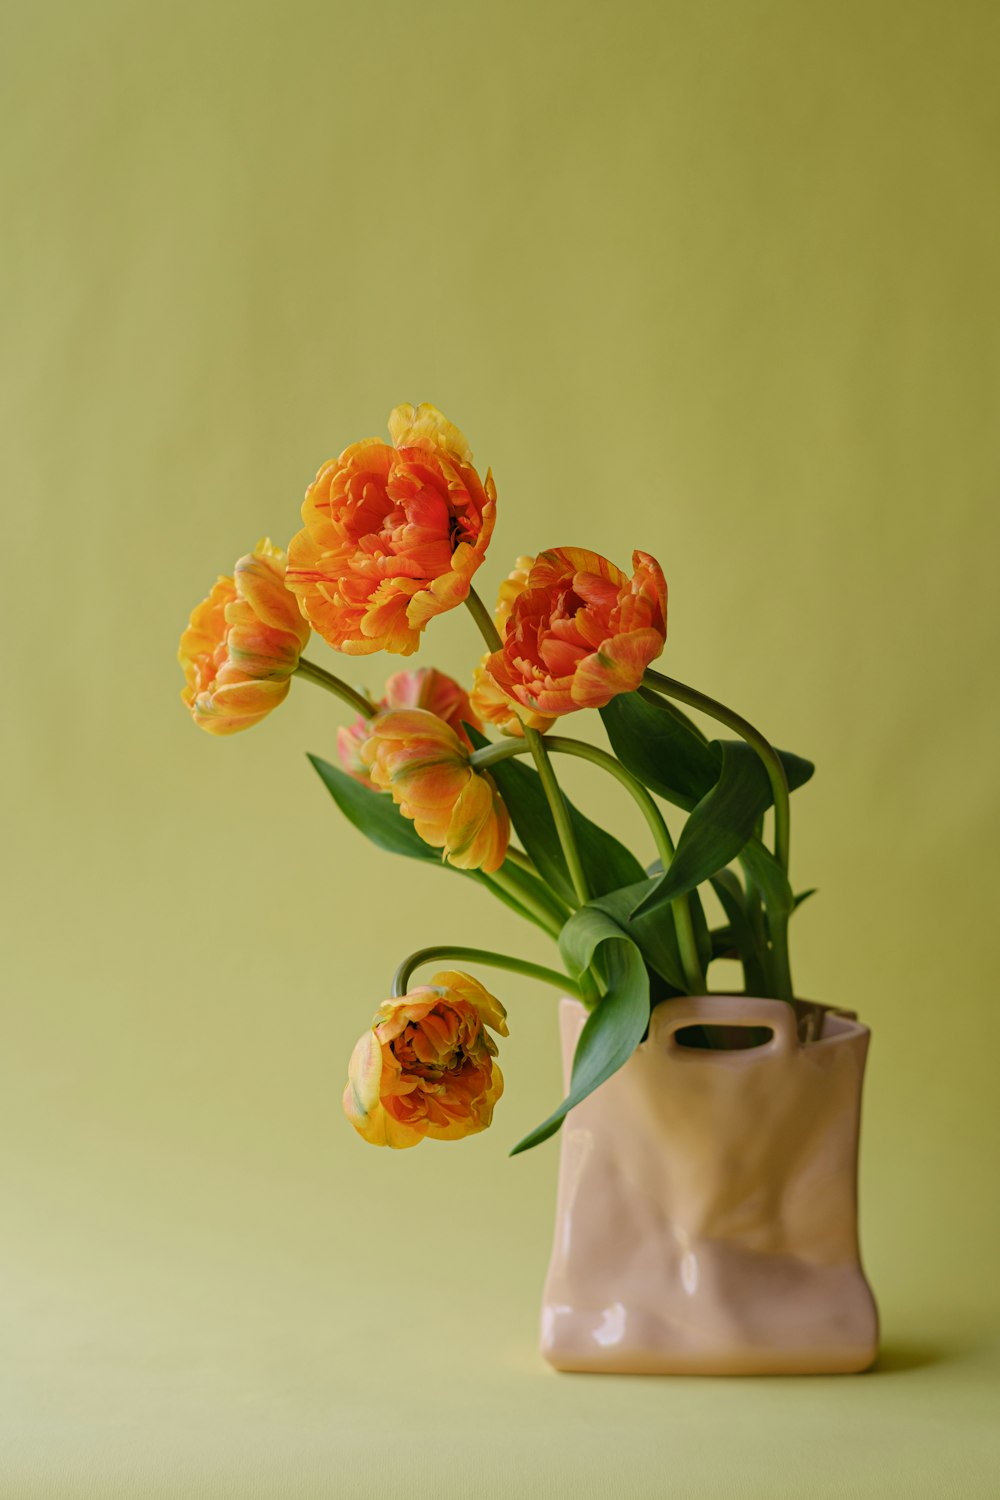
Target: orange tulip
581, 631
421, 760
391, 535
242, 645
424, 688
426, 1067
488, 699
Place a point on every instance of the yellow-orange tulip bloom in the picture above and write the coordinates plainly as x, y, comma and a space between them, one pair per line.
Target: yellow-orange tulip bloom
391, 535
423, 688
421, 760
427, 1067
489, 700
242, 645
581, 631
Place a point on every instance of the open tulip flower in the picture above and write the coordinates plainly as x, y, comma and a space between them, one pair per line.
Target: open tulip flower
242, 645
581, 631
423, 688
421, 760
491, 703
427, 1067
391, 535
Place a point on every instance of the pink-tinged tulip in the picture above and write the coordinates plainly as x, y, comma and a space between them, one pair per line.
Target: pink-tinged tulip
242, 645
392, 535
421, 760
424, 688
489, 700
427, 1067
581, 631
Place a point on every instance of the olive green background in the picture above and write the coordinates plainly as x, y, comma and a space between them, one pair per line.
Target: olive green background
718, 280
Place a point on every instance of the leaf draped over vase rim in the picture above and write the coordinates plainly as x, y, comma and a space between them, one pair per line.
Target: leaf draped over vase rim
464, 774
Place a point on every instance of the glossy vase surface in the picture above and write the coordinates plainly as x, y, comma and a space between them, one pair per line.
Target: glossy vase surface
707, 1207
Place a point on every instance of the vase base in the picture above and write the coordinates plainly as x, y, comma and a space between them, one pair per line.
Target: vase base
832, 1332
845, 1361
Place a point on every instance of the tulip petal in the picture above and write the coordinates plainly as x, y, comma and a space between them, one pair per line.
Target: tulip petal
617, 668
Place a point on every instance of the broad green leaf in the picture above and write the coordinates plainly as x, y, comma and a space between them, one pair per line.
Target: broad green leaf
615, 1026
376, 816
654, 935
716, 830
654, 932
607, 863
660, 745
724, 819
670, 755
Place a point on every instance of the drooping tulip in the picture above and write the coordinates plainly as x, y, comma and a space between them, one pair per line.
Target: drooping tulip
242, 645
427, 1067
423, 688
454, 807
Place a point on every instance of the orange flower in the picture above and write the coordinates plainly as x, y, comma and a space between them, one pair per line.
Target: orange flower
424, 688
581, 631
426, 1068
242, 645
392, 535
421, 760
489, 700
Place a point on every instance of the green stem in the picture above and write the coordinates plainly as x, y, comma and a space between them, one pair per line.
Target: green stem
535, 744
681, 908
525, 899
401, 978
560, 813
487, 629
312, 673
670, 688
778, 961
519, 858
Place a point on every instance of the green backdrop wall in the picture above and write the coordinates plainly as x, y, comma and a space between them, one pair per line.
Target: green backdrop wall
715, 280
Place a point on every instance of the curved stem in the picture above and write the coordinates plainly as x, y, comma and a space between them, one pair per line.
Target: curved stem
670, 688
686, 942
401, 978
536, 745
560, 813
312, 673
681, 908
477, 609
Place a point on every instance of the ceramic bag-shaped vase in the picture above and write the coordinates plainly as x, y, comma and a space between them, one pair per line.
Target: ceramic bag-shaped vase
707, 1211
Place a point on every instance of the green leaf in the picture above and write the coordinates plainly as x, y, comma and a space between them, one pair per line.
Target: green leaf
533, 888
374, 814
716, 830
607, 864
653, 935
615, 1026
724, 819
763, 870
730, 894
660, 745
670, 755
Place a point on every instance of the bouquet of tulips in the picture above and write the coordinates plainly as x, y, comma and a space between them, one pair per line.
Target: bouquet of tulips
392, 535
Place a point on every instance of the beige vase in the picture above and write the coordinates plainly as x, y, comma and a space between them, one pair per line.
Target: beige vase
707, 1210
